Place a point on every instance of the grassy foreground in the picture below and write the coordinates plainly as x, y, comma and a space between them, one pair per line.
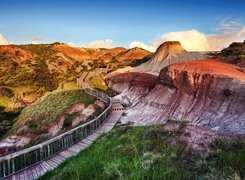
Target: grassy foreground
144, 153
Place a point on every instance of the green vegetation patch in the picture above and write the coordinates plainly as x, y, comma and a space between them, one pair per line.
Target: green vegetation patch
99, 84
6, 120
48, 110
146, 153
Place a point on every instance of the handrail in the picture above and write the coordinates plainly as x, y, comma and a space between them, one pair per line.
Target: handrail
14, 162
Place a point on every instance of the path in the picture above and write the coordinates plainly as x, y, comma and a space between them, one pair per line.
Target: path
35, 171
41, 168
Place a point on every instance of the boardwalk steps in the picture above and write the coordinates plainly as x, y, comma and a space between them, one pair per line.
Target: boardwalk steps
41, 168
50, 154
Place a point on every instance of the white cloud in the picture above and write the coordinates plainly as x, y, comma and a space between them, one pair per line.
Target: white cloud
71, 44
193, 40
141, 45
34, 42
226, 25
100, 44
220, 41
3, 41
107, 43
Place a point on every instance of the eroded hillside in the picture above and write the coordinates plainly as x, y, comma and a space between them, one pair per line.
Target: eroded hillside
207, 93
27, 72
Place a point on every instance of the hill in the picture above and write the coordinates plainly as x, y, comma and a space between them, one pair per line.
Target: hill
169, 52
27, 72
53, 114
234, 54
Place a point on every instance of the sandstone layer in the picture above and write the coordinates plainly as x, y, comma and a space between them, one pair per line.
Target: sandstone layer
207, 93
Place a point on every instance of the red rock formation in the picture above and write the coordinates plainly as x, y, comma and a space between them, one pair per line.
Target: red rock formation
207, 93
78, 54
131, 85
15, 53
101, 54
169, 52
131, 54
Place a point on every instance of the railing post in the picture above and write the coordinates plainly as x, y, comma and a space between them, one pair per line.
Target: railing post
13, 165
41, 153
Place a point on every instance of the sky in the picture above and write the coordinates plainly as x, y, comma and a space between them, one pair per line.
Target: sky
199, 25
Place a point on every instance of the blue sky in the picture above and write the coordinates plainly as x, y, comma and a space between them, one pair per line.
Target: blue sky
123, 21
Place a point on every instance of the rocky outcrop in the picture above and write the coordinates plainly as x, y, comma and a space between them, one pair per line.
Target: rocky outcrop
14, 53
12, 143
169, 52
207, 93
131, 86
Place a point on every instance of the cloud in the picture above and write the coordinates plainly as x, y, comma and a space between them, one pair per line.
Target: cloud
193, 40
107, 43
36, 40
228, 25
100, 44
141, 45
220, 41
3, 41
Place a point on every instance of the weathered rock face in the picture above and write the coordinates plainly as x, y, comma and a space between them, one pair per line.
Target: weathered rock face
132, 86
102, 54
12, 143
15, 53
131, 54
169, 52
207, 93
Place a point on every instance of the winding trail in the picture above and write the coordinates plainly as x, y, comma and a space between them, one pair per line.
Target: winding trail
39, 169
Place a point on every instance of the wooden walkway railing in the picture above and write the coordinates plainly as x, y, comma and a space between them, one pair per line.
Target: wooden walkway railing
12, 163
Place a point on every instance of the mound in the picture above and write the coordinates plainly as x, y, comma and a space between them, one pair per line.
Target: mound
169, 52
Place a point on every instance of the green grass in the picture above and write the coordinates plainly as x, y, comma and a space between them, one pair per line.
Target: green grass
145, 153
98, 83
6, 120
39, 115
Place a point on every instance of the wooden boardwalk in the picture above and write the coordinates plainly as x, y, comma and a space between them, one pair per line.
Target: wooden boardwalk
41, 168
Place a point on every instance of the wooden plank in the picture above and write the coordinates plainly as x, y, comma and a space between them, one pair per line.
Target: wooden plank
64, 153
25, 174
29, 173
34, 173
72, 151
21, 175
56, 161
39, 170
52, 164
47, 166
86, 141
45, 169
75, 147
61, 158
91, 138
83, 145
